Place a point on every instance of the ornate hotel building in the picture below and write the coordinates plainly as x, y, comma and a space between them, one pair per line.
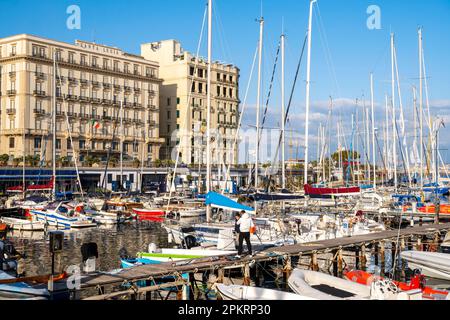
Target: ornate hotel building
98, 87
183, 104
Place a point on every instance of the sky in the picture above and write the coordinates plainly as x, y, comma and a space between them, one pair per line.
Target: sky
344, 50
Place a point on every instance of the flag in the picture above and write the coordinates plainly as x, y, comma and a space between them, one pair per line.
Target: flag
96, 124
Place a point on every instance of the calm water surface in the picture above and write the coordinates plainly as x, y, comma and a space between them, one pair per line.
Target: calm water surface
133, 236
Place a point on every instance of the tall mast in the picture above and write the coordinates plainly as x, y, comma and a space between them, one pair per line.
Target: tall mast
415, 129
308, 84
393, 113
283, 116
386, 138
421, 104
208, 114
54, 125
258, 102
121, 144
372, 105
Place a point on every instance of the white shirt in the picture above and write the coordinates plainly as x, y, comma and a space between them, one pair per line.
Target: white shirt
245, 223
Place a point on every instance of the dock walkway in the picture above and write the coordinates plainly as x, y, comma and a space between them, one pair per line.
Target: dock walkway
149, 272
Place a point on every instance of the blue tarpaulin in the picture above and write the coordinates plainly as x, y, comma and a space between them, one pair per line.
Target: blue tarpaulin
219, 201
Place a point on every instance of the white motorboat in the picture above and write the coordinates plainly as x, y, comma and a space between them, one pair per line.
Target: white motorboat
431, 264
22, 224
322, 286
20, 288
235, 292
61, 217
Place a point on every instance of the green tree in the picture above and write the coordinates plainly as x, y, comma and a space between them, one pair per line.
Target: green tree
4, 158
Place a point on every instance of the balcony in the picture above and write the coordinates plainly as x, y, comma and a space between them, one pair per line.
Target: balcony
106, 101
72, 81
11, 92
153, 108
61, 79
136, 73
84, 82
117, 87
39, 75
12, 74
116, 103
84, 99
40, 112
84, 116
127, 88
137, 90
95, 84
39, 93
152, 123
11, 112
72, 114
106, 86
137, 105
60, 113
107, 118
72, 97
96, 100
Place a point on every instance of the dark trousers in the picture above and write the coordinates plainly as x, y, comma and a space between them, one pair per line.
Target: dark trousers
246, 236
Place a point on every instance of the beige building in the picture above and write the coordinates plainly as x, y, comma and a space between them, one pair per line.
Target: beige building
93, 81
183, 104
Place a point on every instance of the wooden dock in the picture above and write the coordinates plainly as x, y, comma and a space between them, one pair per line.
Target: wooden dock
219, 264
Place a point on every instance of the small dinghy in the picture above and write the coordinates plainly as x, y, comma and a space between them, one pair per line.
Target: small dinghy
23, 225
432, 264
322, 286
235, 292
20, 288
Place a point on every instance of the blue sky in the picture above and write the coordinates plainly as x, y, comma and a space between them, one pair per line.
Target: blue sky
339, 32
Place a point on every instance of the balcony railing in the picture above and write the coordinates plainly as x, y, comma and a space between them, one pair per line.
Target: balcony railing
60, 113
95, 84
127, 88
153, 107
39, 111
137, 105
84, 82
72, 114
106, 85
11, 111
39, 93
151, 92
117, 87
83, 98
96, 100
39, 75
11, 92
106, 101
73, 81
72, 97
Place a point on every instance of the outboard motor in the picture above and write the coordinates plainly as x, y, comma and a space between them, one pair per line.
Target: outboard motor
189, 242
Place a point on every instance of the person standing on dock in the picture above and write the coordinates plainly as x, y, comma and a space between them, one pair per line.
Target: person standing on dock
245, 223
237, 230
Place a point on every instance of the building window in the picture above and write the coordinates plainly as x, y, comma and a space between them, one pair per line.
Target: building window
69, 145
168, 101
83, 60
110, 177
37, 143
178, 114
13, 50
191, 71
178, 101
168, 114
11, 142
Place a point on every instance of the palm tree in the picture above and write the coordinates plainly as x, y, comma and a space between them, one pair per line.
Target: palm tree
4, 158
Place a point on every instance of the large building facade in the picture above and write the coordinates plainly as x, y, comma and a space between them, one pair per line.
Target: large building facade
103, 97
183, 105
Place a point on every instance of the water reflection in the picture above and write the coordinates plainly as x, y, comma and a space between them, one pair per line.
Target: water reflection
134, 237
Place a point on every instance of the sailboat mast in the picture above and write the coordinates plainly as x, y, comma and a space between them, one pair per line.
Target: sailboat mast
258, 102
393, 113
54, 125
283, 115
421, 104
208, 114
372, 106
121, 144
308, 85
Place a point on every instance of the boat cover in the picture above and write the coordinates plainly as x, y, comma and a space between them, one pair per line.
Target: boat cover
219, 201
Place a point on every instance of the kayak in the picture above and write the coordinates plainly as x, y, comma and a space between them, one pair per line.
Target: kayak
417, 282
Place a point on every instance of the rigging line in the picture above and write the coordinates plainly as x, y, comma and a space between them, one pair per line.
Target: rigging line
221, 32
322, 32
286, 118
70, 132
380, 151
172, 184
244, 105
269, 93
401, 151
